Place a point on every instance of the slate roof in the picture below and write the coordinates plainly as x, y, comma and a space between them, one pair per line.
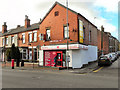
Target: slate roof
22, 29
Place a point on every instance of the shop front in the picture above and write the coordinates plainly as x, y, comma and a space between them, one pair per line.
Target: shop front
56, 55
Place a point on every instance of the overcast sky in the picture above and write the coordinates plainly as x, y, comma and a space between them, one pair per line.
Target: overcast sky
99, 12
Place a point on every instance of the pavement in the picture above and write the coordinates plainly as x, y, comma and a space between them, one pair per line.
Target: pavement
89, 68
29, 66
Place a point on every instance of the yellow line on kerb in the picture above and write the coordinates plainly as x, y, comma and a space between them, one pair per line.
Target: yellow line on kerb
98, 69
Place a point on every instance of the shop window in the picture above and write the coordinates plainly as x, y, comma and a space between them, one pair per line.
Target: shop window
24, 54
48, 34
35, 36
56, 13
65, 32
30, 37
30, 54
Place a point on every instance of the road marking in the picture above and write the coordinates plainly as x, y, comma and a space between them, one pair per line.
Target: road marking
98, 69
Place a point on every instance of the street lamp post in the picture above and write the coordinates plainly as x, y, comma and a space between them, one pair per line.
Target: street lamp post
67, 36
102, 30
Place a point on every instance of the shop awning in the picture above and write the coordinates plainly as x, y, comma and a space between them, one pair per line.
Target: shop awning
63, 47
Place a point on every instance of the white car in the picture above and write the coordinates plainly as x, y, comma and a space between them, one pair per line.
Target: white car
113, 56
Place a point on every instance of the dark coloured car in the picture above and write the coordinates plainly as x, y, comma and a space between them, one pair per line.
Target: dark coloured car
104, 60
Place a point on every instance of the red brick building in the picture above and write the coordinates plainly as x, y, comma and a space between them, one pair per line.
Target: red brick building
48, 38
57, 23
53, 28
25, 37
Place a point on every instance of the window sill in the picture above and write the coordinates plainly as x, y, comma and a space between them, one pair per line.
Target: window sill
67, 38
34, 41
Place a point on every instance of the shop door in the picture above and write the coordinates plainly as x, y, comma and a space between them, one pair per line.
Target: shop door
59, 62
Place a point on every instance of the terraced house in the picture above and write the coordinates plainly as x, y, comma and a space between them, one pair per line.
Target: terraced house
48, 42
24, 37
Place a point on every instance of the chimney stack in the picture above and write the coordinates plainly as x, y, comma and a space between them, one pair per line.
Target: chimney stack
18, 26
102, 28
4, 28
27, 21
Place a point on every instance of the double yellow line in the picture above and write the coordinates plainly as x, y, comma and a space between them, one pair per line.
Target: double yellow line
98, 69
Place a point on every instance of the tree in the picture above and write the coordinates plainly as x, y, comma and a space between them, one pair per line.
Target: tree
8, 56
15, 54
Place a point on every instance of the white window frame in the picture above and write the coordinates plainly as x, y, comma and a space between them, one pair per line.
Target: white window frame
48, 34
34, 36
23, 38
65, 32
89, 36
30, 37
6, 40
12, 39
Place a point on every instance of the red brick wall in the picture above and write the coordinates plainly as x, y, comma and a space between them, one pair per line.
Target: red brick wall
56, 25
88, 26
99, 39
105, 42
26, 44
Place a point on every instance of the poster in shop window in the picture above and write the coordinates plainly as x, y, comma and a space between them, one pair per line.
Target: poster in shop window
80, 31
49, 58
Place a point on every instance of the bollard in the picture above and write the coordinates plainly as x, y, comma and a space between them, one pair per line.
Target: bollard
12, 63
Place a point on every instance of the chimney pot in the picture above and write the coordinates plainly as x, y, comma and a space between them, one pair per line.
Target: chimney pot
26, 17
4, 23
18, 26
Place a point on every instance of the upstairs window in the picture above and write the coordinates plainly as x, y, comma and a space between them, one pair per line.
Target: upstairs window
48, 34
23, 38
65, 32
30, 37
56, 13
41, 36
3, 42
35, 36
12, 40
6, 40
89, 36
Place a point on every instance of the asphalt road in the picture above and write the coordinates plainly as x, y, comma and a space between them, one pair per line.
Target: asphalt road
105, 77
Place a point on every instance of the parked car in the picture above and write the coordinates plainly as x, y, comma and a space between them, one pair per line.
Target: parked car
118, 53
113, 56
105, 60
